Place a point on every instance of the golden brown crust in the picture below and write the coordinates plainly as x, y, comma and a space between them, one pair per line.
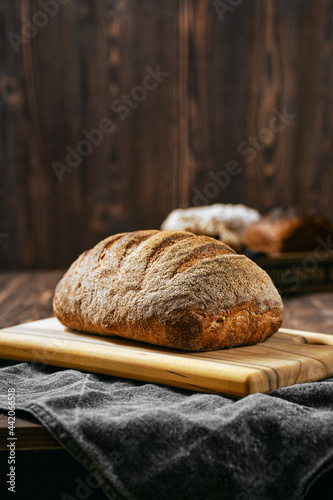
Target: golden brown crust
169, 288
288, 231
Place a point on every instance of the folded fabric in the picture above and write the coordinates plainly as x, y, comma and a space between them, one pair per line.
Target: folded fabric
145, 441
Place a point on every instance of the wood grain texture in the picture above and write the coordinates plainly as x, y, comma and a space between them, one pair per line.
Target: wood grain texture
278, 362
26, 296
226, 78
274, 34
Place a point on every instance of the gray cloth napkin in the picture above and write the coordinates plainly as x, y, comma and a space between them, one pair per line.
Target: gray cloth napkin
145, 441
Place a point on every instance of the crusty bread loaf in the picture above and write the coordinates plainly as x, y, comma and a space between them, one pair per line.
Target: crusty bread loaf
170, 288
227, 222
291, 230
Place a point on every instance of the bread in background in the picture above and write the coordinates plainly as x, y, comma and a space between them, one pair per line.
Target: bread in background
290, 230
227, 222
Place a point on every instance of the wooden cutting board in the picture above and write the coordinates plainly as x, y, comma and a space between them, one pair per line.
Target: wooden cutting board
289, 357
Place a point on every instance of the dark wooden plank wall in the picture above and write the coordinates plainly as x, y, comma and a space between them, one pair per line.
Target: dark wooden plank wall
226, 76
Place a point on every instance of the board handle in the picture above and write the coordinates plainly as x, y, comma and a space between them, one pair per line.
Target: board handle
311, 337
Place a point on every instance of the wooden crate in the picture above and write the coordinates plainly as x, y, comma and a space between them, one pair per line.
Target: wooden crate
300, 271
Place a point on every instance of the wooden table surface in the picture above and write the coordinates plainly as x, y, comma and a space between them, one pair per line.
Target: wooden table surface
27, 296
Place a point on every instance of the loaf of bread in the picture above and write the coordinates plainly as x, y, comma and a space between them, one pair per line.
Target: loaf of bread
291, 230
170, 288
227, 222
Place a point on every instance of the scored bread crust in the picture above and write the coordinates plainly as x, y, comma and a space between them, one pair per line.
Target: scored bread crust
170, 288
